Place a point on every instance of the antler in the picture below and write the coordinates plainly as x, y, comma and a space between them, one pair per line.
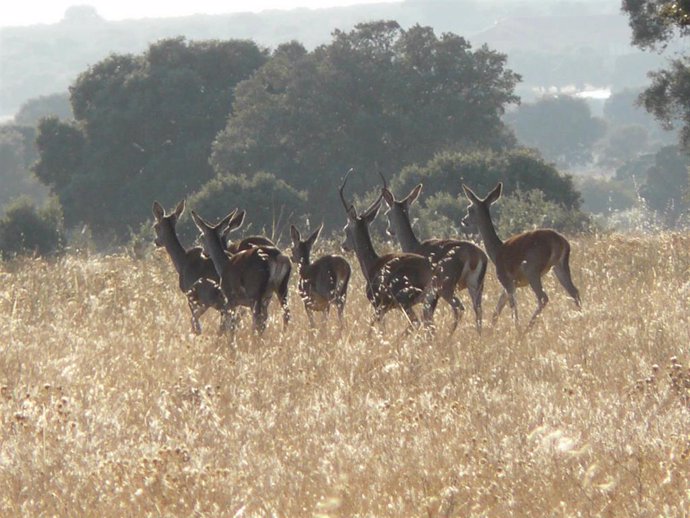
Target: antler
340, 191
383, 179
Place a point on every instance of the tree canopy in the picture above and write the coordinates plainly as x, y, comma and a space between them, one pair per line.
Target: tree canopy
377, 95
654, 23
143, 129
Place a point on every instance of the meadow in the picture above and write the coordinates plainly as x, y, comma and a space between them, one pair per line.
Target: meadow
110, 406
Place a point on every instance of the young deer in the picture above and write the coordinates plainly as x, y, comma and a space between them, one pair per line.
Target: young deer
392, 280
459, 264
322, 282
249, 277
198, 279
522, 259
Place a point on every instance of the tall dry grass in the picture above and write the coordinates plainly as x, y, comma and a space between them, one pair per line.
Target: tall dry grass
109, 406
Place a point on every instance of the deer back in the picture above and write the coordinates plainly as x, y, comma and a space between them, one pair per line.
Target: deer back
542, 247
400, 279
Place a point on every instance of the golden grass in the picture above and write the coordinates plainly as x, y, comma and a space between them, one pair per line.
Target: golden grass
109, 406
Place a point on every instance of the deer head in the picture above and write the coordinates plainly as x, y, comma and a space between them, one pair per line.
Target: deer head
164, 226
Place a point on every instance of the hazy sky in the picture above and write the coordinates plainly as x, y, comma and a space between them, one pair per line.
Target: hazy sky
26, 12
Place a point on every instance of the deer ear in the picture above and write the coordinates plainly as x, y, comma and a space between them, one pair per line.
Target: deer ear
158, 211
414, 194
470, 194
372, 211
315, 235
495, 194
226, 221
388, 196
179, 209
294, 234
199, 222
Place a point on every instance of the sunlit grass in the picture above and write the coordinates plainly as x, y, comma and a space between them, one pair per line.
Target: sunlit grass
110, 406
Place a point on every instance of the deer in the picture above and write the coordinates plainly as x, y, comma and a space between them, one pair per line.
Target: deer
279, 286
522, 259
460, 264
322, 282
198, 279
249, 277
395, 280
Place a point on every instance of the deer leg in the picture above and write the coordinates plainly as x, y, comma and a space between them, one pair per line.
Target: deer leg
502, 299
430, 303
230, 318
542, 298
458, 309
476, 296
283, 297
562, 272
260, 311
197, 311
310, 315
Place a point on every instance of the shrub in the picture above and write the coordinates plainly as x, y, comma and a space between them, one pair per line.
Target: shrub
270, 202
528, 210
25, 229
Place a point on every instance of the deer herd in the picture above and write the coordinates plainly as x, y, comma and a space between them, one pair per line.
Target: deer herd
224, 274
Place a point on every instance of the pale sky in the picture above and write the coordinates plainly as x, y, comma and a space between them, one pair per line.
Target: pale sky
28, 12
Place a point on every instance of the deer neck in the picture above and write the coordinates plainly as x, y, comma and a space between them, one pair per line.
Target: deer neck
176, 251
403, 229
366, 254
303, 263
492, 242
216, 252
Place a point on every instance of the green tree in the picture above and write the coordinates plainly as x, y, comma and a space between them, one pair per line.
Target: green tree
26, 229
530, 185
143, 129
654, 24
666, 186
518, 169
17, 152
561, 127
376, 94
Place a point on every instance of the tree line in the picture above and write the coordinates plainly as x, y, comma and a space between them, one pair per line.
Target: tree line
228, 123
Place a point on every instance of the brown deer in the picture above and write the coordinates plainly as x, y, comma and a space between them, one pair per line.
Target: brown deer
322, 282
522, 259
459, 264
398, 280
198, 279
247, 278
280, 263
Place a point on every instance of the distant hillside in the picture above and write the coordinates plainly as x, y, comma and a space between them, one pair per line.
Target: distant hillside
549, 43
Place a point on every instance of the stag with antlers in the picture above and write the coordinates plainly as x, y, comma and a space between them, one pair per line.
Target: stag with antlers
522, 259
398, 280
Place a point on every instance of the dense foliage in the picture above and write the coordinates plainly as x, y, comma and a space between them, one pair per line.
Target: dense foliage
517, 168
143, 129
655, 23
378, 94
17, 152
26, 229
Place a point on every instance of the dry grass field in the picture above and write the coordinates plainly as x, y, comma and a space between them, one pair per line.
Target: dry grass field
109, 406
